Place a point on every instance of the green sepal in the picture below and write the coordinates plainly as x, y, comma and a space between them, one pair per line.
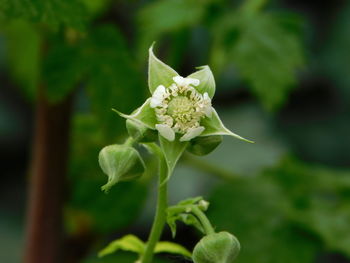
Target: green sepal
220, 247
214, 126
127, 243
172, 152
204, 145
207, 81
140, 132
120, 163
159, 73
143, 115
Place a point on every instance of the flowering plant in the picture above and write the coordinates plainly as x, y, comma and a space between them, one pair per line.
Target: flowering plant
179, 114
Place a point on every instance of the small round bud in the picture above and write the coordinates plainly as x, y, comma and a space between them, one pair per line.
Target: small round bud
140, 132
204, 145
220, 247
120, 163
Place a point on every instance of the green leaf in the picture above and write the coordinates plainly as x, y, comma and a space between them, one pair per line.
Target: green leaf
254, 209
266, 54
158, 72
126, 243
144, 115
23, 51
172, 152
182, 212
207, 81
51, 12
214, 126
112, 79
62, 70
120, 162
160, 17
173, 248
319, 200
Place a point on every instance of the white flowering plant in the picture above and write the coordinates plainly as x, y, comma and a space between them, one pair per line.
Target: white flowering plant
177, 117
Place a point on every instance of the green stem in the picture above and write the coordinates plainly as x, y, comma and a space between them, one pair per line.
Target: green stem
160, 217
208, 228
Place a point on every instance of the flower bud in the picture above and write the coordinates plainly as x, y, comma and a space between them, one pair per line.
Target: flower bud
120, 163
204, 145
140, 132
216, 248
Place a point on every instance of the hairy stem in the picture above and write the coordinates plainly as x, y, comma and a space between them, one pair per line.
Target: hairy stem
208, 228
160, 217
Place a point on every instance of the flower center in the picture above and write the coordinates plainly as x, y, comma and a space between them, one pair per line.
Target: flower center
180, 107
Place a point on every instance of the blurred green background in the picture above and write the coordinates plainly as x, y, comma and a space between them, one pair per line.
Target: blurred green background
282, 72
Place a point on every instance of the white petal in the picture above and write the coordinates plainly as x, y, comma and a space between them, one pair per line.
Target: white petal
191, 133
158, 96
166, 131
191, 81
155, 102
179, 80
160, 91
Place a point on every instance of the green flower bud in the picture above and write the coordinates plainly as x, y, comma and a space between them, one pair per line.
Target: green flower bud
120, 163
216, 248
140, 132
204, 145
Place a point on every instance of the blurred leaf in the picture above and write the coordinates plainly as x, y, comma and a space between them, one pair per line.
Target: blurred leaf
112, 79
170, 247
253, 209
319, 199
167, 16
23, 49
336, 55
265, 51
62, 70
126, 243
52, 12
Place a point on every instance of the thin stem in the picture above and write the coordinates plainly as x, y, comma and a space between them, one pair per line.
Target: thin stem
160, 217
208, 228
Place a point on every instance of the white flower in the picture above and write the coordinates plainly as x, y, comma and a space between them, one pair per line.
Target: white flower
180, 109
179, 106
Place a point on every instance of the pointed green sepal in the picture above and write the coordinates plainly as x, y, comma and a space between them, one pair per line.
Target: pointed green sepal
207, 81
204, 145
172, 151
159, 73
120, 163
144, 115
214, 126
140, 133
